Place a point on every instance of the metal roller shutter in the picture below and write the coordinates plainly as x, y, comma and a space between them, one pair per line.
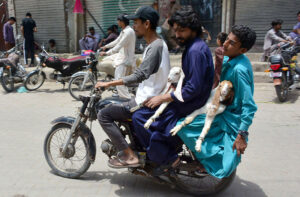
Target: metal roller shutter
259, 15
106, 11
50, 20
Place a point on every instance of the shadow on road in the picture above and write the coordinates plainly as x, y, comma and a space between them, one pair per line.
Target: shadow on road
132, 185
292, 97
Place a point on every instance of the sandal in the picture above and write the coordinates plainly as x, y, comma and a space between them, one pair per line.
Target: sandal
164, 169
118, 163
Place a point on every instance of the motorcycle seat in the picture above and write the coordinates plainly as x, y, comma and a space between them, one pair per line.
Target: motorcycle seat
67, 60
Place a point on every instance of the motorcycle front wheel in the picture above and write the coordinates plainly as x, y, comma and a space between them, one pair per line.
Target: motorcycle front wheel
282, 90
77, 88
34, 81
75, 161
7, 81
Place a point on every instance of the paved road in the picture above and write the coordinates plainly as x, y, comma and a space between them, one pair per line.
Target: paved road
269, 168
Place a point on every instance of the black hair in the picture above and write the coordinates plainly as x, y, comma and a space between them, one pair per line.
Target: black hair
122, 17
222, 37
111, 28
276, 22
153, 24
28, 14
187, 17
246, 36
91, 28
52, 41
298, 13
12, 18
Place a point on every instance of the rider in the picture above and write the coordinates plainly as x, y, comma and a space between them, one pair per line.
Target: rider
197, 66
227, 138
121, 55
273, 37
152, 75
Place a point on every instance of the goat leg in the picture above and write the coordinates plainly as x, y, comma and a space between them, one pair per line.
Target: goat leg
156, 115
207, 125
187, 120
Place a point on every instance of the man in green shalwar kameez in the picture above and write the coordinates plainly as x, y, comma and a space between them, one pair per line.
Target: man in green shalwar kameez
228, 136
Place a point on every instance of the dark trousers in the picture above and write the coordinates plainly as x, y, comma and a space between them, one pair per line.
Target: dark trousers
28, 49
107, 118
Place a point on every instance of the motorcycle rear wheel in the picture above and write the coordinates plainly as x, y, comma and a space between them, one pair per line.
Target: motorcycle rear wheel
282, 90
200, 185
6, 81
59, 132
74, 87
34, 81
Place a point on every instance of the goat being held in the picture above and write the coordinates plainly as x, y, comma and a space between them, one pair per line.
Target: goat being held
176, 76
219, 98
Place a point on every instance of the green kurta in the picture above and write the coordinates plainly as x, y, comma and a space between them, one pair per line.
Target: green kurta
216, 155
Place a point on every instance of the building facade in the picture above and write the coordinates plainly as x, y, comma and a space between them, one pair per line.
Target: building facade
55, 19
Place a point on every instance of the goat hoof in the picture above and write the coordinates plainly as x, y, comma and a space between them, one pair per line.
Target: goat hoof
147, 124
198, 146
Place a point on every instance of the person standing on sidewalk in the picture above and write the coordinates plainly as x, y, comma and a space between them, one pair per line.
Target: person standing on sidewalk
8, 33
28, 27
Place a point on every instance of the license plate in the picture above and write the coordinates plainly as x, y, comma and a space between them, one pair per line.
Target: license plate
277, 74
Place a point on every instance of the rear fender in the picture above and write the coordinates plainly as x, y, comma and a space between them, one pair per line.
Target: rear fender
84, 131
277, 81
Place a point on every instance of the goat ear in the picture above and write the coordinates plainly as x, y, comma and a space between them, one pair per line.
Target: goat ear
178, 92
230, 98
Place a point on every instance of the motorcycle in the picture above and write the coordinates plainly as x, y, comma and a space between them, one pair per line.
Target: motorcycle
16, 48
70, 149
11, 71
83, 82
63, 69
283, 69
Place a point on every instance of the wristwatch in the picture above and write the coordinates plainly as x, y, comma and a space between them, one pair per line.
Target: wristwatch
244, 134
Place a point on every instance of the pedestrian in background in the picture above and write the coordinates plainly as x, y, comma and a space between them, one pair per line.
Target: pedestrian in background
219, 55
51, 46
273, 37
90, 41
28, 27
8, 33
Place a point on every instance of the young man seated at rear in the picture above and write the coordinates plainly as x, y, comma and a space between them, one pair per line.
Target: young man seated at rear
227, 139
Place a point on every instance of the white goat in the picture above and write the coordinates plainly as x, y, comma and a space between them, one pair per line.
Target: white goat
219, 98
176, 75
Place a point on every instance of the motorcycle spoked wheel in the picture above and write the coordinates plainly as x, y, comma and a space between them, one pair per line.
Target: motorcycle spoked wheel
34, 81
76, 83
76, 154
198, 185
282, 90
6, 81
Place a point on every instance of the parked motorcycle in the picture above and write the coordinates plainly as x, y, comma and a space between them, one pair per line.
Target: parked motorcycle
83, 82
284, 70
63, 69
11, 71
70, 149
16, 48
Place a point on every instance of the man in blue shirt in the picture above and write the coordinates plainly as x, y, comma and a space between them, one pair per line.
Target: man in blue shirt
8, 33
227, 139
197, 66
